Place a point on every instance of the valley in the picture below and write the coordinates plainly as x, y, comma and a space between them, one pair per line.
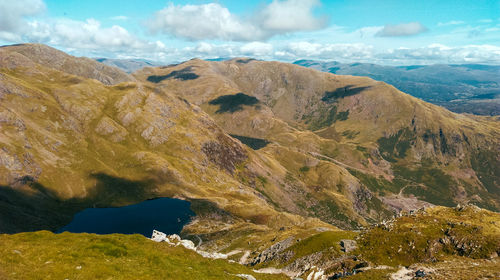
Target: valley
280, 164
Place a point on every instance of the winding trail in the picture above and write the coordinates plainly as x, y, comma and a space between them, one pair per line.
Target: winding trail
201, 241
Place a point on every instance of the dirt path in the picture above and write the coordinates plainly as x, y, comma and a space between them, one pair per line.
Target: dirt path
243, 259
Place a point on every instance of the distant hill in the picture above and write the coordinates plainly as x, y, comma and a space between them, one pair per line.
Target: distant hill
467, 88
128, 65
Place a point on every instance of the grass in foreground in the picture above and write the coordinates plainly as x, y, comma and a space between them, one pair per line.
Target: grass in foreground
45, 255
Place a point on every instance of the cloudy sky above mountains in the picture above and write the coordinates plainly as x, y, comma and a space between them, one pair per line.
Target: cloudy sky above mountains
393, 32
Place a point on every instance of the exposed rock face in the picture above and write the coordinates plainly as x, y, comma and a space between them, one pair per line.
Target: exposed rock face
348, 245
225, 153
303, 264
273, 251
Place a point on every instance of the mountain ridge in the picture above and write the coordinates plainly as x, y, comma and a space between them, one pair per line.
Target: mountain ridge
333, 147
463, 88
281, 163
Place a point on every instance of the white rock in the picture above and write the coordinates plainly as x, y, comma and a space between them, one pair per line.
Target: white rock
188, 244
174, 238
212, 255
246, 276
158, 236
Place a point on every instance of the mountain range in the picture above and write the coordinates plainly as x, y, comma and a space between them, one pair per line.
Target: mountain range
264, 151
128, 65
464, 88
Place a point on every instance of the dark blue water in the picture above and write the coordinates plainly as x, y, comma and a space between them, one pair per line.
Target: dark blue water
167, 215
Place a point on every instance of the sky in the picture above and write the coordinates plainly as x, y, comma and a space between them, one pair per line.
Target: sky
388, 32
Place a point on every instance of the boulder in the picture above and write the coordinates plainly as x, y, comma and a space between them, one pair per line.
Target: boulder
348, 245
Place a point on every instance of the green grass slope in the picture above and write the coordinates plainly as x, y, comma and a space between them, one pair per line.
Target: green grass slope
44, 255
405, 148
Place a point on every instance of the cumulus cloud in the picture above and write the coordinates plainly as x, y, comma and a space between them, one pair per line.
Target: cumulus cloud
306, 50
257, 49
438, 53
402, 29
431, 54
12, 13
208, 21
213, 21
87, 34
290, 16
87, 38
347, 53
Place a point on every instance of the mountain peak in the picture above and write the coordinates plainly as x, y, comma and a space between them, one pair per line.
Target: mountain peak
24, 55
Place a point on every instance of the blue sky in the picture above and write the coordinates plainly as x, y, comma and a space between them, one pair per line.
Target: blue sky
379, 31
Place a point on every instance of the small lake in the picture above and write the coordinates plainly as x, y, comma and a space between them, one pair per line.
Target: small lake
167, 215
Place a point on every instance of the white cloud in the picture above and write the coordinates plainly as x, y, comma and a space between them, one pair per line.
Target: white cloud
13, 12
451, 22
213, 21
442, 54
119, 18
402, 29
208, 21
303, 50
290, 16
257, 49
84, 35
87, 38
431, 54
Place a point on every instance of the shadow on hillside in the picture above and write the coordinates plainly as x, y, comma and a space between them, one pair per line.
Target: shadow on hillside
254, 143
233, 102
30, 206
245, 61
183, 74
331, 96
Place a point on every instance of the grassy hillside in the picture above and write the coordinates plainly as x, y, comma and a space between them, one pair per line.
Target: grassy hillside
88, 256
380, 146
265, 152
440, 241
437, 240
466, 88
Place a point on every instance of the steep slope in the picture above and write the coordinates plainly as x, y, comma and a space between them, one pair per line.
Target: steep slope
271, 156
467, 88
68, 142
399, 147
90, 256
29, 55
438, 242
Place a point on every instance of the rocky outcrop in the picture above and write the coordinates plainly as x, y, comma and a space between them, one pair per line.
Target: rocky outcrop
348, 245
175, 240
225, 153
274, 251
